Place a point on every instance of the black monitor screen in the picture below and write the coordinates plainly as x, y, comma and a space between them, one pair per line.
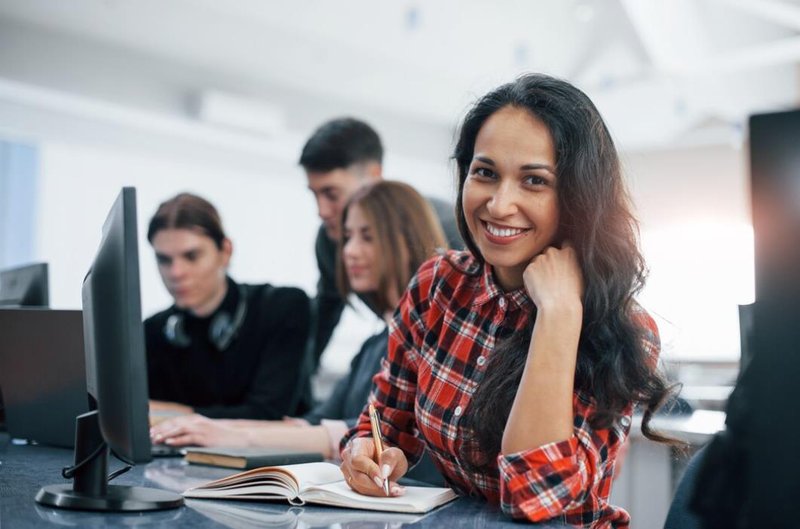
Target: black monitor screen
116, 379
116, 371
774, 371
775, 180
24, 286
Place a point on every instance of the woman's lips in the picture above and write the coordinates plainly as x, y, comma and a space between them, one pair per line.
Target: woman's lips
499, 234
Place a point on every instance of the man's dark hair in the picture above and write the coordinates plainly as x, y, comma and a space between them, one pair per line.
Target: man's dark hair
340, 143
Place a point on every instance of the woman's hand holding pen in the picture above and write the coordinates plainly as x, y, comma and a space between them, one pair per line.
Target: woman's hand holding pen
362, 472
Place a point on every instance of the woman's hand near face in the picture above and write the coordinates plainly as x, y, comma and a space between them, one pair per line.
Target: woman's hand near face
363, 474
553, 279
196, 430
542, 411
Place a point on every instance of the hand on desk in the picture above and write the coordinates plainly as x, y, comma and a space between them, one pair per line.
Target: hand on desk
196, 430
362, 473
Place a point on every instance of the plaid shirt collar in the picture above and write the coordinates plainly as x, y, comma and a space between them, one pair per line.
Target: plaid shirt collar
489, 290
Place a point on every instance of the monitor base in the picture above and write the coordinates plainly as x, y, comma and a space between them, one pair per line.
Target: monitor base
89, 490
118, 498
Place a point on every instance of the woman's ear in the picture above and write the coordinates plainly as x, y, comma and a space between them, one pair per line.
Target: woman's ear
227, 251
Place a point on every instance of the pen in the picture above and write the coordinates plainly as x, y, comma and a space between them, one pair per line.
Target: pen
376, 435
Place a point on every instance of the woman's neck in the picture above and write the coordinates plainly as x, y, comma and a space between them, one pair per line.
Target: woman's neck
213, 303
394, 300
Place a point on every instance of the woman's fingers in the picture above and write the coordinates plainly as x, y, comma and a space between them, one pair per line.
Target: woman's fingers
394, 464
364, 475
191, 429
554, 277
179, 435
183, 439
360, 469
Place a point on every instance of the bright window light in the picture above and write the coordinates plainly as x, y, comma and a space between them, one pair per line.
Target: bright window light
699, 273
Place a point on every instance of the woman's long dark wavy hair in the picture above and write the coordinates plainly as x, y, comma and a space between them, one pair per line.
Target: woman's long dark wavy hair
613, 366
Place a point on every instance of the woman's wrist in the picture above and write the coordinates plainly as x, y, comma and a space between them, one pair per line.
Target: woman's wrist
334, 430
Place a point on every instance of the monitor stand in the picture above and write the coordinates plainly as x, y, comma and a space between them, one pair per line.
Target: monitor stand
90, 490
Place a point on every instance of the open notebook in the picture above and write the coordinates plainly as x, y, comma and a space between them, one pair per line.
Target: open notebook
319, 483
240, 515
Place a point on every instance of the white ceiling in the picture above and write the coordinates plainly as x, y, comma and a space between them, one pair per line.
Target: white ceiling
662, 71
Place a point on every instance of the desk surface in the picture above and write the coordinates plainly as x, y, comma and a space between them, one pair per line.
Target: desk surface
24, 469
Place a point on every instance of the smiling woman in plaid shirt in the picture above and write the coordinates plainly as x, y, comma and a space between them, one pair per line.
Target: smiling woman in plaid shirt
516, 364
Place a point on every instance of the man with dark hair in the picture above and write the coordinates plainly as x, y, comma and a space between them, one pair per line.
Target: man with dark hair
339, 157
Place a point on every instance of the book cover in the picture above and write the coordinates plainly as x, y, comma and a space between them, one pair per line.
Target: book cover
249, 458
316, 483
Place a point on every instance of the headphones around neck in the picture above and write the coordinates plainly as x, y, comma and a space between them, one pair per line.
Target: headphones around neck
221, 332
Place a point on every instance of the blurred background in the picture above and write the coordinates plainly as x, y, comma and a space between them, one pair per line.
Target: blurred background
217, 98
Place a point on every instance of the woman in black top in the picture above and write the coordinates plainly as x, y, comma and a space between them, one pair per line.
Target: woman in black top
388, 231
223, 349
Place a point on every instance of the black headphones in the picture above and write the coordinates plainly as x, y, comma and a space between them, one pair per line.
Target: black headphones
221, 332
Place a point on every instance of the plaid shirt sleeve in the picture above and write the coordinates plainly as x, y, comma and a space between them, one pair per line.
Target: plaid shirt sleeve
395, 385
571, 479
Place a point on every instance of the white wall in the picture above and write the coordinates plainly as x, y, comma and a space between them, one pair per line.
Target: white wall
105, 116
270, 218
693, 204
269, 214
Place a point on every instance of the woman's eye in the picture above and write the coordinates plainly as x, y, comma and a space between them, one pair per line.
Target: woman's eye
536, 180
483, 172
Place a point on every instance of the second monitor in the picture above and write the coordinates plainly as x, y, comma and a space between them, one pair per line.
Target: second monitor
24, 286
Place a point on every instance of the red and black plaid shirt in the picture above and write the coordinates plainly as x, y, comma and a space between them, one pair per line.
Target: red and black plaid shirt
441, 339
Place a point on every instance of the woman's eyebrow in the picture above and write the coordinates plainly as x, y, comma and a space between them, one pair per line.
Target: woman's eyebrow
526, 167
484, 159
535, 166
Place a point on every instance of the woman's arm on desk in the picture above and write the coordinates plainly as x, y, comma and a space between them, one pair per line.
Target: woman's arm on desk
198, 430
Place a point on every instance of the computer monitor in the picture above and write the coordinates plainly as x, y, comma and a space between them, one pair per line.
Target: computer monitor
42, 373
24, 286
774, 370
116, 378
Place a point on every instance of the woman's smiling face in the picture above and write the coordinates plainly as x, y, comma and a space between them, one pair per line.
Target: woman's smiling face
509, 197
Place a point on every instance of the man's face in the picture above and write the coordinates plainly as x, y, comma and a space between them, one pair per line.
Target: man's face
331, 190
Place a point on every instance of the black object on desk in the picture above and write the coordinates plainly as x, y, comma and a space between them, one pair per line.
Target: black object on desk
24, 286
116, 379
42, 374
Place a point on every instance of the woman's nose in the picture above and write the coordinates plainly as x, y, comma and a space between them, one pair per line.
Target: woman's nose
176, 269
350, 248
503, 202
